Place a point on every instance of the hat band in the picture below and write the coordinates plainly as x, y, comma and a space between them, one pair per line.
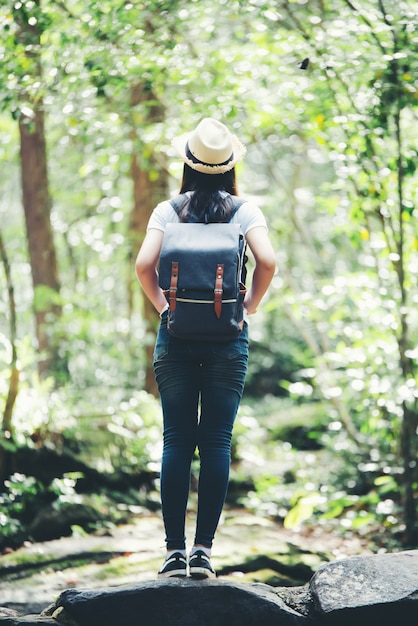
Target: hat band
199, 162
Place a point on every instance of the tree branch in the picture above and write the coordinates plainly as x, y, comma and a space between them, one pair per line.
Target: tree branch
323, 365
367, 22
14, 374
6, 425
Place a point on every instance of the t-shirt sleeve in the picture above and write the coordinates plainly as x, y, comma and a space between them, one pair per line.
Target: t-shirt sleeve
161, 215
249, 215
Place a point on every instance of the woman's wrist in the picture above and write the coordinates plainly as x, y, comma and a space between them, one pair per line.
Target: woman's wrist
165, 307
248, 305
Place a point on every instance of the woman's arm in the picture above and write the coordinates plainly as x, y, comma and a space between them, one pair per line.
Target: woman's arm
146, 267
265, 266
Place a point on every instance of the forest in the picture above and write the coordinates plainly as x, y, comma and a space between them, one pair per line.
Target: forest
324, 94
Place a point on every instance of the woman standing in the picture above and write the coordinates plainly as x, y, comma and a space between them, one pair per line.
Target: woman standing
193, 375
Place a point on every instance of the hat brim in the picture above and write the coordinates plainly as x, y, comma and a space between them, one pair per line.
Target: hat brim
239, 151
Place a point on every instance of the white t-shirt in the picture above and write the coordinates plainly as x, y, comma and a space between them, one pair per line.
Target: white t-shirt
248, 216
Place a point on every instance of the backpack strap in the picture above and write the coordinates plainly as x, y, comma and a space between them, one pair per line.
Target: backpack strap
238, 202
177, 202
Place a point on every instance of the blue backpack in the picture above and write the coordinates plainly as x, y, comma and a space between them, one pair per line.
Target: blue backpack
202, 274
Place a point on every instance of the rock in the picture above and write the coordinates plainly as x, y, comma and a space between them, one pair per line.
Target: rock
35, 620
5, 612
298, 598
175, 601
59, 615
51, 523
366, 590
362, 590
9, 617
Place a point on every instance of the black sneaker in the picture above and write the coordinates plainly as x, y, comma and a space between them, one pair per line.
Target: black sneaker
175, 565
200, 566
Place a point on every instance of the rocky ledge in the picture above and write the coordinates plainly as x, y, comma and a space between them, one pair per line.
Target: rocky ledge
362, 590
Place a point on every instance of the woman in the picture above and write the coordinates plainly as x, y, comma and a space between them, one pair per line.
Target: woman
197, 374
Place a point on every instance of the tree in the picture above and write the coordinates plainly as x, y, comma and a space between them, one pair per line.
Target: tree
28, 24
150, 186
109, 60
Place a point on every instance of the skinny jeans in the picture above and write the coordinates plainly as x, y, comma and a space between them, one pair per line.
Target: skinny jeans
200, 385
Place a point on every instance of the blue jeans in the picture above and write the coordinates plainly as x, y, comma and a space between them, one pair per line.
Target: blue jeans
192, 375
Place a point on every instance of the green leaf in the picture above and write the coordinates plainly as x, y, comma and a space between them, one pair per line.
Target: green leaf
46, 298
302, 511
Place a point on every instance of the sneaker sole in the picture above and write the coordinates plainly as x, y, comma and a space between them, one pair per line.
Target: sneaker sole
175, 573
201, 572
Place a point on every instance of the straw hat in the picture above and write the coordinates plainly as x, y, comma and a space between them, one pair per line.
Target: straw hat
210, 148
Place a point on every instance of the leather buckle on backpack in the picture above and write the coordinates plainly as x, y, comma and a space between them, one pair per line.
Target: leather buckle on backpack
172, 292
218, 291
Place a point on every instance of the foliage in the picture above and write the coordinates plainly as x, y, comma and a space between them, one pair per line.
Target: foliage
118, 436
25, 497
292, 483
118, 432
374, 316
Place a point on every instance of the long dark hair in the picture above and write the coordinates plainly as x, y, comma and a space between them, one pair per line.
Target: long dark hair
207, 203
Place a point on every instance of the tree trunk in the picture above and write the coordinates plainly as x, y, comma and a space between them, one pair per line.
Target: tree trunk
150, 186
36, 204
408, 435
35, 197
